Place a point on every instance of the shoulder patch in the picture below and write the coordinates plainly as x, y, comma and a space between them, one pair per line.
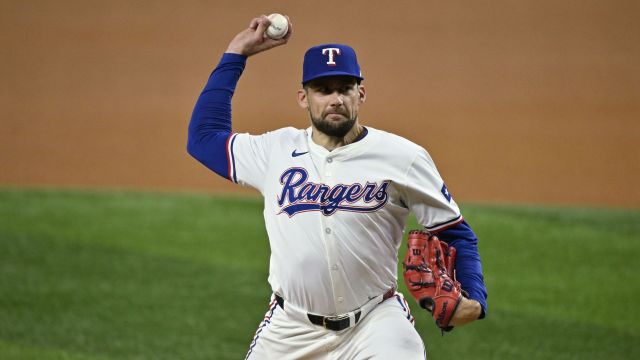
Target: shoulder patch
445, 193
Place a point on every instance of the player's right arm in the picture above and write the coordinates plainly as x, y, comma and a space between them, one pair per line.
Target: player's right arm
210, 128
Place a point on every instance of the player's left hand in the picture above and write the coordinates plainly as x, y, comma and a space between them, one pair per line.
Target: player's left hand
468, 311
253, 39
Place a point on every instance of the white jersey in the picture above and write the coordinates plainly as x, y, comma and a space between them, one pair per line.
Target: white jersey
335, 219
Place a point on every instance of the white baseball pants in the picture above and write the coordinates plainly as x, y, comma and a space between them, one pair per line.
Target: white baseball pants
387, 332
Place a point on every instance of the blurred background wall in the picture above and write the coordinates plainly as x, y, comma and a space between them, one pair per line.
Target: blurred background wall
531, 101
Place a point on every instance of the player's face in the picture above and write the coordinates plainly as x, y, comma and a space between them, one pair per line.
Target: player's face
332, 103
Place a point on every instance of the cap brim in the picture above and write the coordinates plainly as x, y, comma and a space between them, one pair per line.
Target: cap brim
330, 73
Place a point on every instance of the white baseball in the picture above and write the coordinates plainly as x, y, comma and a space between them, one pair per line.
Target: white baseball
279, 26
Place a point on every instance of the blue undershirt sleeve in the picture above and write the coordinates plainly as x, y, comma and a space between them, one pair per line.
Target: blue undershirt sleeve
468, 264
210, 125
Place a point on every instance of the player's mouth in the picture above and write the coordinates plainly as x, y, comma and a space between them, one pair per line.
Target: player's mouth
335, 116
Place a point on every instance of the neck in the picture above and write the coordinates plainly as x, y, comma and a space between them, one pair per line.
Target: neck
331, 142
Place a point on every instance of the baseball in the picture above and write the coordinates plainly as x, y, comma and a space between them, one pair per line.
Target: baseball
279, 26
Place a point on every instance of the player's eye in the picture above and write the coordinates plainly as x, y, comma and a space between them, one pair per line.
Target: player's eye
346, 89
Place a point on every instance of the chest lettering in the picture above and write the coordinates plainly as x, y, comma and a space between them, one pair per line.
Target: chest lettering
300, 195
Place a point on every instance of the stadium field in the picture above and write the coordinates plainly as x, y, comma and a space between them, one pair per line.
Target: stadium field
128, 275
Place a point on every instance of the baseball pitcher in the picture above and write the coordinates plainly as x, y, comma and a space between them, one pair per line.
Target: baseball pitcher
336, 198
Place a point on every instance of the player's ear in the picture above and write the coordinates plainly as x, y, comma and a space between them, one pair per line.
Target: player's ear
362, 94
302, 98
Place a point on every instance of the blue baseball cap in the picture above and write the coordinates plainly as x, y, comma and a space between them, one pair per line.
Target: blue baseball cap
330, 60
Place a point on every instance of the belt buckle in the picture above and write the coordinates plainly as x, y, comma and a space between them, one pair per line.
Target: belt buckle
334, 318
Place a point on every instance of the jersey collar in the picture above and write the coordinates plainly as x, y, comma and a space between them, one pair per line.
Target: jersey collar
349, 150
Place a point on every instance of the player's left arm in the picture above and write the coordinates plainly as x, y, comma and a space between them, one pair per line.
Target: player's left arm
435, 208
468, 272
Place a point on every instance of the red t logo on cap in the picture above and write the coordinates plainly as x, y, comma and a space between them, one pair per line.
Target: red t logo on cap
331, 52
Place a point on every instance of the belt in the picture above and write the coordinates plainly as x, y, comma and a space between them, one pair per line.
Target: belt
344, 321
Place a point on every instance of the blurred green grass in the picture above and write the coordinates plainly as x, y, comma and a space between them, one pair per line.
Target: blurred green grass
125, 275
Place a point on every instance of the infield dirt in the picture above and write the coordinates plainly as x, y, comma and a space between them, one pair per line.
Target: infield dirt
529, 101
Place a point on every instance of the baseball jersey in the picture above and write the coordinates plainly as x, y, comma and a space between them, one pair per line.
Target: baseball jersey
335, 219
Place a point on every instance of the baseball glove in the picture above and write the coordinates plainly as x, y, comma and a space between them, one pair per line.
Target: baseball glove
430, 277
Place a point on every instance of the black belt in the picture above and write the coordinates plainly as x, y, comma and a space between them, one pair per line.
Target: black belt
335, 323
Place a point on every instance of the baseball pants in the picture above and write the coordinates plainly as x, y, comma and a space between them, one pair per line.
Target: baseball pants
387, 332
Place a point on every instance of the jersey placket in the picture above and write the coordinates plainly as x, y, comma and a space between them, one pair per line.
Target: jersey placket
327, 166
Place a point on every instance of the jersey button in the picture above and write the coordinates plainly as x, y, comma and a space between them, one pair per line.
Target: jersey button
329, 160
340, 299
334, 267
327, 230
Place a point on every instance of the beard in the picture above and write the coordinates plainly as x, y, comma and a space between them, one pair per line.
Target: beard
336, 129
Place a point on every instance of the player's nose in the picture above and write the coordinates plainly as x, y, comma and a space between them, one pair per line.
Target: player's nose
336, 99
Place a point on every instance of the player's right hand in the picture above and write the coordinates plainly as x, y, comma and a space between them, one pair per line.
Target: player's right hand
253, 40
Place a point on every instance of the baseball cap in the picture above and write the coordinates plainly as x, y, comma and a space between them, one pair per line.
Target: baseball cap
330, 60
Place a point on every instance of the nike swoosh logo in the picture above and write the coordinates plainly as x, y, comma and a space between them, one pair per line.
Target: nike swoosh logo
295, 154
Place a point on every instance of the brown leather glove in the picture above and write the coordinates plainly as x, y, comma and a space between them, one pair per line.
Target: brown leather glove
429, 275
